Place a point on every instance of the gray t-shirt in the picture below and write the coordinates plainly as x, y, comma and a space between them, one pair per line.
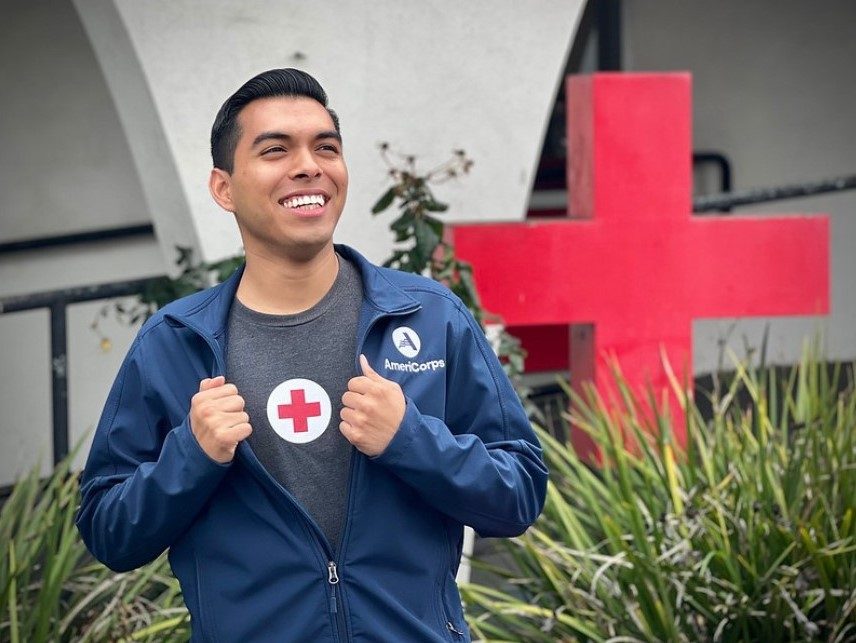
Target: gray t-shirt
292, 371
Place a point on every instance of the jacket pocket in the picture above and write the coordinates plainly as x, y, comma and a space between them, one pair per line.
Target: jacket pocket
202, 628
454, 626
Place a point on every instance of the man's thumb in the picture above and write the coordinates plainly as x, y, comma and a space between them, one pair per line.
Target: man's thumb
368, 371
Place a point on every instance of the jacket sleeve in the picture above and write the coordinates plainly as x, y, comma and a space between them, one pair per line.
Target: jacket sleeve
144, 481
483, 465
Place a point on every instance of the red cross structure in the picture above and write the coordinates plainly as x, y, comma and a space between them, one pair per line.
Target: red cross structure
299, 411
632, 267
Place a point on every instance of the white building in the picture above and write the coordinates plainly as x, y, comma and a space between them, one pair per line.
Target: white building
107, 106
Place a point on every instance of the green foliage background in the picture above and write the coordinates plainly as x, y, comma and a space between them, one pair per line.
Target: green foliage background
52, 590
749, 535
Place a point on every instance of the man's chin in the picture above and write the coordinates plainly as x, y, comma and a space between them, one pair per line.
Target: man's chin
308, 250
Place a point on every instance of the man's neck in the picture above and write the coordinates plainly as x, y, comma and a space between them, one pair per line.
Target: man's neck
283, 287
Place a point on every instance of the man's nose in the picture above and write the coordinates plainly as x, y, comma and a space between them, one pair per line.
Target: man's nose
305, 165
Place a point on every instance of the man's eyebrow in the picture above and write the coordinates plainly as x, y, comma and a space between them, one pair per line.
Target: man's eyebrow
329, 134
282, 136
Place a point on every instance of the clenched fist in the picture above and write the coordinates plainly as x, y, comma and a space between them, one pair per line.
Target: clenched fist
372, 412
217, 418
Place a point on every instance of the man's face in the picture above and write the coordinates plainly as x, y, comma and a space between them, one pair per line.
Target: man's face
289, 181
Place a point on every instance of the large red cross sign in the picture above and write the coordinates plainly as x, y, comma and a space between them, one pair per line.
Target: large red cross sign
631, 267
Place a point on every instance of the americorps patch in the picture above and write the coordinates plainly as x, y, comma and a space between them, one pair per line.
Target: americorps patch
406, 341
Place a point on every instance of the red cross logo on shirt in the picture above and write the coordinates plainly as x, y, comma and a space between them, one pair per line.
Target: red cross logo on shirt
309, 419
299, 411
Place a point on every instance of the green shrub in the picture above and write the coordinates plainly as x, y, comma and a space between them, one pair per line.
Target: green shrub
52, 590
747, 536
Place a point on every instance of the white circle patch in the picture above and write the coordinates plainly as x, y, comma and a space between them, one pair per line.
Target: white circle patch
406, 341
299, 410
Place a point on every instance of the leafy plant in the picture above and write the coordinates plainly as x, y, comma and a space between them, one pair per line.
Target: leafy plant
52, 590
159, 291
748, 535
423, 248
427, 251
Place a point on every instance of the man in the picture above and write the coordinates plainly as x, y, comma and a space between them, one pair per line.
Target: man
310, 437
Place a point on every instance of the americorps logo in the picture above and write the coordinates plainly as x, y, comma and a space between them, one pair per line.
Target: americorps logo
406, 341
414, 367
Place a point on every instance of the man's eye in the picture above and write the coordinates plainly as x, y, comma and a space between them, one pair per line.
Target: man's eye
276, 148
329, 148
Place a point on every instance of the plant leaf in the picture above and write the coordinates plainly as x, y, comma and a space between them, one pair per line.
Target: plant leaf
384, 202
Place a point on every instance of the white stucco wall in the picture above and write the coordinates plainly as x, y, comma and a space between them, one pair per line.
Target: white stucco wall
772, 90
65, 167
114, 131
109, 122
428, 77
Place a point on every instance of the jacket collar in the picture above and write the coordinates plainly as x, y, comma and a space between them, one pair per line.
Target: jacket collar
385, 295
211, 314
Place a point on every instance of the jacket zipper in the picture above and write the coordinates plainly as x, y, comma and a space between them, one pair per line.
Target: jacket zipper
340, 629
332, 569
446, 611
453, 629
333, 580
321, 540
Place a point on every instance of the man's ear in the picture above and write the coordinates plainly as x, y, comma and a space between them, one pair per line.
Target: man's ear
220, 186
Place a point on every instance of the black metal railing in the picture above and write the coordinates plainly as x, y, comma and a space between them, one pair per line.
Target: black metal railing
724, 202
106, 234
722, 162
57, 302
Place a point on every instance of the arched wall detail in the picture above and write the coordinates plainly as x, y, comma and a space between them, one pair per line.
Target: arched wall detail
142, 123
428, 77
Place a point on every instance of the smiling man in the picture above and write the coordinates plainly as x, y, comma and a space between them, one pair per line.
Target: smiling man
308, 438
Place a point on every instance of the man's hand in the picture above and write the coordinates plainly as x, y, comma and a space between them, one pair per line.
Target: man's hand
217, 418
373, 410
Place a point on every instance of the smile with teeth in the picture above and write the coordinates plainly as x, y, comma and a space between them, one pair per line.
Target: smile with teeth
305, 202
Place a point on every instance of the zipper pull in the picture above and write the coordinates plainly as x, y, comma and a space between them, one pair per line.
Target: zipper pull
452, 628
333, 579
332, 574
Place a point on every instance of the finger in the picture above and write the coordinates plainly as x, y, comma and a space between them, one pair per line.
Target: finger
360, 384
347, 431
229, 403
240, 431
351, 399
209, 382
368, 371
234, 419
352, 417
224, 390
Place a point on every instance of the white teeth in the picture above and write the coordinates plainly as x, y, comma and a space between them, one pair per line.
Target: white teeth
306, 199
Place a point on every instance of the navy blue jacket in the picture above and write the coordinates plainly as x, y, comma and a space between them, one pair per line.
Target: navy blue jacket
252, 564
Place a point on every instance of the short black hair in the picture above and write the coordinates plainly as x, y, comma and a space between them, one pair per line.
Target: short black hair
274, 82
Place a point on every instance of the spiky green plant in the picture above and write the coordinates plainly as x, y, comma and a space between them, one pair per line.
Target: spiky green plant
748, 535
52, 590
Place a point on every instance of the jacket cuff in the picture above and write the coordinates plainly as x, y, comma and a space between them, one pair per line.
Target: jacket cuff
399, 446
191, 448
